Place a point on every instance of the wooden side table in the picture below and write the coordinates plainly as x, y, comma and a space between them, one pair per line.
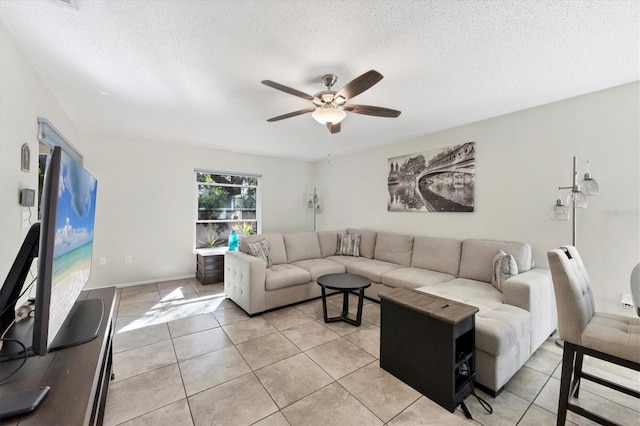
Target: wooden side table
428, 342
210, 265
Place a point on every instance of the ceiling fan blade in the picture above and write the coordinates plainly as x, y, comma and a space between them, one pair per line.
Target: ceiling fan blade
291, 114
286, 89
333, 128
372, 110
359, 84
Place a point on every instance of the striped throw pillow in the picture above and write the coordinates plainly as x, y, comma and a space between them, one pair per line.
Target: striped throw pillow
348, 245
504, 267
260, 249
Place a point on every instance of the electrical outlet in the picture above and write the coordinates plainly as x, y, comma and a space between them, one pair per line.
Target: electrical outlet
103, 261
626, 301
128, 259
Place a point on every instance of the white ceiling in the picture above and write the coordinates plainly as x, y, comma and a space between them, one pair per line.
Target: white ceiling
190, 71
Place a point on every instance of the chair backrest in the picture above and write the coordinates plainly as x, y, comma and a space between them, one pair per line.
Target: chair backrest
574, 299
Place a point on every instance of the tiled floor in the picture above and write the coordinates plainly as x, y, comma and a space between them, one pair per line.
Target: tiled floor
185, 355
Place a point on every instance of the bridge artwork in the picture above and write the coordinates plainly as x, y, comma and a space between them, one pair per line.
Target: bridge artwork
433, 181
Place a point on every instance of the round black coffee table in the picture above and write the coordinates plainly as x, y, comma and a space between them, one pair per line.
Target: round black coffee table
344, 283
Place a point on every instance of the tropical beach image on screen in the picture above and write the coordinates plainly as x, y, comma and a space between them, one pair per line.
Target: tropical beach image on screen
75, 215
433, 181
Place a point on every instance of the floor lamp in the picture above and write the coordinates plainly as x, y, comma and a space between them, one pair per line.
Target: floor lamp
314, 203
577, 199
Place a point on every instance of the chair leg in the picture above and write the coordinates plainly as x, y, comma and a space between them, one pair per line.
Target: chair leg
565, 382
577, 374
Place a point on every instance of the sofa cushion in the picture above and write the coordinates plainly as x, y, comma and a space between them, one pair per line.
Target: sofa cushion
394, 248
499, 327
414, 277
260, 249
276, 246
327, 240
285, 275
437, 254
348, 244
301, 246
367, 241
372, 269
345, 260
476, 262
504, 267
318, 267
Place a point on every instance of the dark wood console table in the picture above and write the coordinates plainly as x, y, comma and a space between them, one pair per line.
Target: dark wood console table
428, 342
78, 376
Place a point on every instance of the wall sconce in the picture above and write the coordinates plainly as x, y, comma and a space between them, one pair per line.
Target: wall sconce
577, 198
314, 203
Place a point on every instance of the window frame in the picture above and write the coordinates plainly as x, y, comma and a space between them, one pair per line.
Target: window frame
258, 208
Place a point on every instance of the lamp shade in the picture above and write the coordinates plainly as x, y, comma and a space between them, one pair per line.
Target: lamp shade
589, 186
577, 199
559, 211
328, 115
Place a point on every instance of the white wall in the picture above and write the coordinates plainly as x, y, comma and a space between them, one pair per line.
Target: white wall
146, 203
23, 99
521, 159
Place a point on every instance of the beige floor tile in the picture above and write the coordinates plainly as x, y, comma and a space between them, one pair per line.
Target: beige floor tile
343, 328
368, 338
230, 315
544, 361
293, 378
180, 293
426, 412
276, 419
287, 318
191, 305
148, 307
339, 357
266, 350
143, 288
212, 289
143, 359
200, 343
192, 324
142, 394
536, 416
379, 391
508, 408
527, 383
241, 401
212, 369
309, 335
176, 414
173, 284
130, 338
247, 330
610, 394
331, 405
150, 296
314, 309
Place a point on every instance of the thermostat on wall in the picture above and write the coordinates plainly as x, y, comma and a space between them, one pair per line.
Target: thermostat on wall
27, 197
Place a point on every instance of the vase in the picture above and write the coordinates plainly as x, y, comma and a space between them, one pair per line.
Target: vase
233, 241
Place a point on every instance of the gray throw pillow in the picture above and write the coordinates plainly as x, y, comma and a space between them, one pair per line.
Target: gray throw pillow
260, 249
348, 245
504, 267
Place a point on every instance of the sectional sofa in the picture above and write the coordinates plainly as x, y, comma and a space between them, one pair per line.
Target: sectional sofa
511, 324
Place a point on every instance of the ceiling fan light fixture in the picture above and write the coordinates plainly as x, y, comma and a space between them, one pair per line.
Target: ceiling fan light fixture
328, 115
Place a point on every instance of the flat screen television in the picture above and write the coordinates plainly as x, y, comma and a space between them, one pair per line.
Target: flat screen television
63, 243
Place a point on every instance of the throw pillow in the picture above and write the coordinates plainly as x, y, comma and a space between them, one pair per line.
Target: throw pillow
504, 267
260, 249
348, 245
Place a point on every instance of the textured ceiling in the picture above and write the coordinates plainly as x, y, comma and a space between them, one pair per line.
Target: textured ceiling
190, 71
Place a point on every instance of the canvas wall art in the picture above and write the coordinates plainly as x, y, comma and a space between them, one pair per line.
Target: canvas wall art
441, 180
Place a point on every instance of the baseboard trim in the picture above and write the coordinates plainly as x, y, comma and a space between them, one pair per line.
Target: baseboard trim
134, 283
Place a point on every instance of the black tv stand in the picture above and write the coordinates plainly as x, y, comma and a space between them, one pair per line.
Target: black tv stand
78, 376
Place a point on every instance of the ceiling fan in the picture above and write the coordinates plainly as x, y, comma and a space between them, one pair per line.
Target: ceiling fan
330, 106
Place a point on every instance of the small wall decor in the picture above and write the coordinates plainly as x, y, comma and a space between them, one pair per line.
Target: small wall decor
441, 180
25, 163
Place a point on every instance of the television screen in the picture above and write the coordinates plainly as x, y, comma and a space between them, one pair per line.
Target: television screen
73, 239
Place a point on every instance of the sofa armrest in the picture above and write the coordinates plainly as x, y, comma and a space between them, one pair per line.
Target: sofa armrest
244, 277
533, 291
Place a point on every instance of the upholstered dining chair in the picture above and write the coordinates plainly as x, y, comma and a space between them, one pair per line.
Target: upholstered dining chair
609, 337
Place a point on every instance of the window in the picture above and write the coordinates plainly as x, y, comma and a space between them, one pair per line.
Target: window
226, 202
